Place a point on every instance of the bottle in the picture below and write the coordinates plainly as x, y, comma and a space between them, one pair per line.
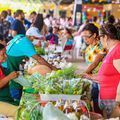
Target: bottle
68, 108
60, 105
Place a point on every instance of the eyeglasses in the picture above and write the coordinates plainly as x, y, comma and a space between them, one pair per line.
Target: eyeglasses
87, 36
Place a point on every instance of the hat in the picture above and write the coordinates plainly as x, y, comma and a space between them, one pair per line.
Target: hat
33, 31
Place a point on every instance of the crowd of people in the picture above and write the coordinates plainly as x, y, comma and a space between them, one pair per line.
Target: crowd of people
98, 44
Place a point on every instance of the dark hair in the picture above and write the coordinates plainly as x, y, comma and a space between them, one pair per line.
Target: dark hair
111, 19
4, 13
47, 16
91, 28
110, 30
39, 22
33, 12
2, 46
1, 37
87, 20
94, 19
18, 12
70, 18
50, 29
118, 31
69, 31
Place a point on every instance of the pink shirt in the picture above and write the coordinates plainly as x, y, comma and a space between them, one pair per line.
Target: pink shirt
108, 76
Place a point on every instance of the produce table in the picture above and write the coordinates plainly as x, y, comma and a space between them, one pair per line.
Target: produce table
31, 109
63, 88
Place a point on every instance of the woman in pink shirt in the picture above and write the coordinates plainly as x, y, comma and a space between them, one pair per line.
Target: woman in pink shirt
109, 74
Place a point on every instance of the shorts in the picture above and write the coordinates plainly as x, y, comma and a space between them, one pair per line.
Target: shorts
107, 106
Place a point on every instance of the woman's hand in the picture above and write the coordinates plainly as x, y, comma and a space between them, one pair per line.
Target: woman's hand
13, 75
85, 75
92, 77
88, 76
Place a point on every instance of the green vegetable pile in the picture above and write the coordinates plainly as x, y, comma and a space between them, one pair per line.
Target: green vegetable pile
29, 108
61, 82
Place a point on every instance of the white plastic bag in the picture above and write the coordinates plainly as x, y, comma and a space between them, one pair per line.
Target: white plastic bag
52, 113
22, 81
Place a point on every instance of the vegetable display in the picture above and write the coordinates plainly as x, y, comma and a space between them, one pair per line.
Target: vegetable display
29, 108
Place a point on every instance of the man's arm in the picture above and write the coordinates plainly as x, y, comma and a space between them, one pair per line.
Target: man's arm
42, 61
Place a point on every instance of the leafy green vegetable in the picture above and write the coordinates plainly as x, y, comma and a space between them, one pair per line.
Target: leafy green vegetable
29, 108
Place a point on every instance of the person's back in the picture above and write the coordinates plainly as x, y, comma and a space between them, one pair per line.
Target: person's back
17, 27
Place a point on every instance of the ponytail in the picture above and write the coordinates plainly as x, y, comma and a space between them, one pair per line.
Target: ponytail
118, 32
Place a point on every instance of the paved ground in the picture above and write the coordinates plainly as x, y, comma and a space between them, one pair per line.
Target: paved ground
80, 64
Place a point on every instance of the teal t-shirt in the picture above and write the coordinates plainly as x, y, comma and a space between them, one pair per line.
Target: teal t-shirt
20, 46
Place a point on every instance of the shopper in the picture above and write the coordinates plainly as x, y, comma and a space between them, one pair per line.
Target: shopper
94, 52
18, 27
109, 73
94, 55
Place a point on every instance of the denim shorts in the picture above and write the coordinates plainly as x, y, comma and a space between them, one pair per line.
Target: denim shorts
107, 106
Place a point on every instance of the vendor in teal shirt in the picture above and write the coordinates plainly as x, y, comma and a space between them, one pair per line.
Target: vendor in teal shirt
18, 49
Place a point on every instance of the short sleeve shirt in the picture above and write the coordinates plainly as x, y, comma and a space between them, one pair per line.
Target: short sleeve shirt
21, 47
18, 27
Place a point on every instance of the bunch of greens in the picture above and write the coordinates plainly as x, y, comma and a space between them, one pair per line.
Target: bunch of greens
61, 82
33, 79
29, 108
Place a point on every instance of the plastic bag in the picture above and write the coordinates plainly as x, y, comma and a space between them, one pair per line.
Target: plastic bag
22, 81
52, 113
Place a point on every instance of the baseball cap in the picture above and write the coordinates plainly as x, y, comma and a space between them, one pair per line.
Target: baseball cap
33, 31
